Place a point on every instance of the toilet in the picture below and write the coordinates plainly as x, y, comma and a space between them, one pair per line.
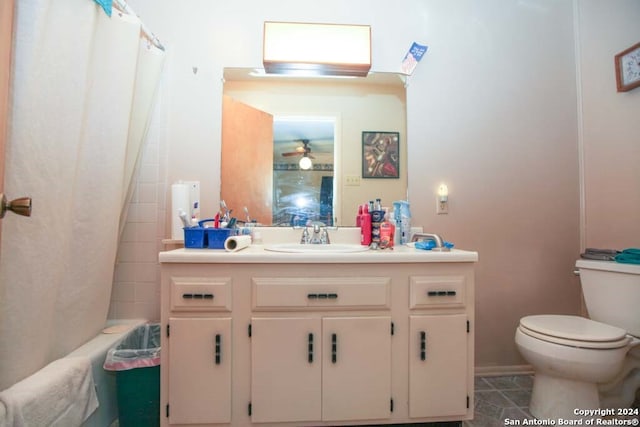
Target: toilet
587, 364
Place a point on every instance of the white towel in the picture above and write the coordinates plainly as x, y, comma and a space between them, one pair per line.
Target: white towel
61, 394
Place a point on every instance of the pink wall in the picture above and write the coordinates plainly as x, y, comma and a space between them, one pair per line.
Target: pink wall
494, 112
611, 127
495, 118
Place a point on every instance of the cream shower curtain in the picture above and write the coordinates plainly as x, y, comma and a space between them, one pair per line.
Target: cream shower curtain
81, 94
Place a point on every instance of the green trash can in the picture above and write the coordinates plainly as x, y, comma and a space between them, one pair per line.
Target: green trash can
136, 362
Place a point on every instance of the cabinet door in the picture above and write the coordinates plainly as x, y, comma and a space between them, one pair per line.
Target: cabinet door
285, 369
356, 379
438, 365
199, 371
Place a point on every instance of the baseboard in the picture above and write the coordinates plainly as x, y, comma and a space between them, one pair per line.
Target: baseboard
500, 371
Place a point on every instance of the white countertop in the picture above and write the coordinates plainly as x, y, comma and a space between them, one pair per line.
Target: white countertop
256, 254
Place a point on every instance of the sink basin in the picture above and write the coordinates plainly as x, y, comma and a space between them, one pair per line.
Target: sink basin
330, 248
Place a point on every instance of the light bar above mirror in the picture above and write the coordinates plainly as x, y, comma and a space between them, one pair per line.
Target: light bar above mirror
316, 49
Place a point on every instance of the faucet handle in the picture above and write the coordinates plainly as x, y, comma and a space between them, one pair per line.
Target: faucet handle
305, 236
324, 237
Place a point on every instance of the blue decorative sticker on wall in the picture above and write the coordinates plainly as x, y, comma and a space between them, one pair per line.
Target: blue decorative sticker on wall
411, 59
106, 5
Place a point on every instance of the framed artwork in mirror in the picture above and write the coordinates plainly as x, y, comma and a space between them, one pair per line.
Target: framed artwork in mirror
380, 154
628, 68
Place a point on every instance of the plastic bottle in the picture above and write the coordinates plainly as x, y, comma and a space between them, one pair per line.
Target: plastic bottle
365, 226
387, 232
377, 216
359, 216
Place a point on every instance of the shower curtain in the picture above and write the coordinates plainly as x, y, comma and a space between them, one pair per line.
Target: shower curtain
81, 96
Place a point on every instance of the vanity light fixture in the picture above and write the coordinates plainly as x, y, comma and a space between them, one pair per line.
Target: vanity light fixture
443, 200
316, 49
305, 163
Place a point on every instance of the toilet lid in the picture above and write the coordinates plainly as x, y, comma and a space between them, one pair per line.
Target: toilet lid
574, 330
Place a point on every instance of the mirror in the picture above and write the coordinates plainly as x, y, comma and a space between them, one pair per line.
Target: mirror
269, 123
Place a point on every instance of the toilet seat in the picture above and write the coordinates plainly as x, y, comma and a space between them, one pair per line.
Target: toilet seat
574, 331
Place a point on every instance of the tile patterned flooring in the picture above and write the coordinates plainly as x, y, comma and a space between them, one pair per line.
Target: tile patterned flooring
499, 398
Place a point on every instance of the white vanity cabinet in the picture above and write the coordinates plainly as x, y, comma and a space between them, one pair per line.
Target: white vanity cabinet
197, 322
337, 366
439, 339
313, 369
257, 338
199, 371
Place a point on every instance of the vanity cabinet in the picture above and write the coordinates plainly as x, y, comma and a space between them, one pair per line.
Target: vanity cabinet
439, 336
308, 364
199, 371
320, 368
290, 342
438, 366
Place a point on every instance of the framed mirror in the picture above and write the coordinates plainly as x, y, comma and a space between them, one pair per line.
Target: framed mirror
271, 123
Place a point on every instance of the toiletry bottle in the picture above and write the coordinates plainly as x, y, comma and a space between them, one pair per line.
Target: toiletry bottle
387, 231
359, 216
377, 216
365, 226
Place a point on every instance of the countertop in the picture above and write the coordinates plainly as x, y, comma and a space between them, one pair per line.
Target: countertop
256, 254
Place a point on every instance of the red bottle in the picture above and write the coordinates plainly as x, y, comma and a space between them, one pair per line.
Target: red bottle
365, 227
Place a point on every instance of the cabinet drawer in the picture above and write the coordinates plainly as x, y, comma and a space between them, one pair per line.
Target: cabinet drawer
325, 292
436, 291
201, 293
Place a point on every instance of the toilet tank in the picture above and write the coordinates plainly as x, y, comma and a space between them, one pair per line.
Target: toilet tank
612, 293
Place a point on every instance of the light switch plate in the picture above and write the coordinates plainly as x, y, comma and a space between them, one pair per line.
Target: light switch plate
352, 180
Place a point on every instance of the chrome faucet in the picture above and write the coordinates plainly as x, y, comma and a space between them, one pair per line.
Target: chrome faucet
430, 236
320, 235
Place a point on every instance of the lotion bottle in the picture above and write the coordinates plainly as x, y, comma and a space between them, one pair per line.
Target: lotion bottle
387, 231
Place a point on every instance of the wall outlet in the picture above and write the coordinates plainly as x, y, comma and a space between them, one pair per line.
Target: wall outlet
352, 180
442, 208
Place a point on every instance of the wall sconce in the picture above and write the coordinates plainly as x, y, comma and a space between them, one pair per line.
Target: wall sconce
443, 200
316, 49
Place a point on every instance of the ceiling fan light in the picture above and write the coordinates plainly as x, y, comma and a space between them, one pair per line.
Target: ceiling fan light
305, 163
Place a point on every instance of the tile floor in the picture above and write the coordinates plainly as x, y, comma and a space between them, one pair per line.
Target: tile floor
499, 398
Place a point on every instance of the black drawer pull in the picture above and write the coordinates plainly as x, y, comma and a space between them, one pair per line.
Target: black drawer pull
322, 296
423, 345
197, 296
218, 349
334, 348
310, 348
441, 293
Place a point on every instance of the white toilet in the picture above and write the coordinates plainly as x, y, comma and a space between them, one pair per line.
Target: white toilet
583, 364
